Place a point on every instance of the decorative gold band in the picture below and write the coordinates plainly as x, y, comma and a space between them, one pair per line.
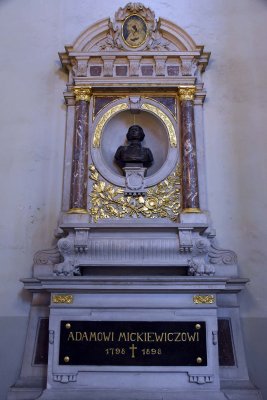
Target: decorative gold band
83, 93
103, 120
205, 299
62, 298
186, 92
165, 119
191, 210
77, 211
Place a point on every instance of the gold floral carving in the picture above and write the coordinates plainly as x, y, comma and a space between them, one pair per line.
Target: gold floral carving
161, 201
82, 93
103, 121
207, 299
165, 119
62, 298
187, 92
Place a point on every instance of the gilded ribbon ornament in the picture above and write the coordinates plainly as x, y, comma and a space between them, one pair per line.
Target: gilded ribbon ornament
165, 119
103, 121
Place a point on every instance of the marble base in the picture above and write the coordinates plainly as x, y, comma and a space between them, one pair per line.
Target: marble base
137, 298
133, 395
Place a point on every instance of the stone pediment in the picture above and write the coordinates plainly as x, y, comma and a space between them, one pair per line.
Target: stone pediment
134, 44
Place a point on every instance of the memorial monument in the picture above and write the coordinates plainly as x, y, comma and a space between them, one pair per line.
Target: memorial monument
137, 300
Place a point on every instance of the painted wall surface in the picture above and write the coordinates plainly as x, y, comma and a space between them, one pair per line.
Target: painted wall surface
32, 115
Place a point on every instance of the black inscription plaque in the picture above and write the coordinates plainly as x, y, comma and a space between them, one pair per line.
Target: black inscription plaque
133, 343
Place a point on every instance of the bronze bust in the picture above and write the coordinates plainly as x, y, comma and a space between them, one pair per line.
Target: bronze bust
134, 154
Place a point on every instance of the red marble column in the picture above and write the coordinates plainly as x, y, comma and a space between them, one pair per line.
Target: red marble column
79, 174
189, 155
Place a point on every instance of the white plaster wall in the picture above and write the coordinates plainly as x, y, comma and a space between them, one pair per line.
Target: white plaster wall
33, 118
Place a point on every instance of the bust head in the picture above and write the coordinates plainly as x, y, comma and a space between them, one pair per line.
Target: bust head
135, 134
133, 153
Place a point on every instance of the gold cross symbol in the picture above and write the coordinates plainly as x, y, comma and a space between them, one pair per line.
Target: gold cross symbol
133, 348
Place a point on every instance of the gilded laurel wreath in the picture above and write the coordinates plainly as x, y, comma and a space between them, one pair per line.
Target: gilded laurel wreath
161, 201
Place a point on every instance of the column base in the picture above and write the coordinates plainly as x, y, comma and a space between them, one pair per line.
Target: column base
77, 211
117, 394
191, 210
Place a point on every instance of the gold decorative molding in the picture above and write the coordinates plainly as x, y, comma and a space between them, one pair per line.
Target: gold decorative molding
165, 119
62, 298
153, 98
162, 200
186, 92
77, 211
82, 93
191, 210
206, 299
103, 121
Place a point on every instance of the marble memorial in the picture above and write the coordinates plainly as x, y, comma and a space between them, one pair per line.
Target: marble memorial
137, 300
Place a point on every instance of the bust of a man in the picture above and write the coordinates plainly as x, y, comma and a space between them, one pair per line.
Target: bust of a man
134, 154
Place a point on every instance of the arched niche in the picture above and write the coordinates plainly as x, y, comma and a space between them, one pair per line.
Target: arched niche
100, 59
113, 134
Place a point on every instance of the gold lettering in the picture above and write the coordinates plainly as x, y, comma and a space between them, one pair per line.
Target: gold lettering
170, 334
132, 336
139, 337
160, 337
177, 338
108, 337
122, 336
71, 336
92, 337
78, 336
191, 338
149, 337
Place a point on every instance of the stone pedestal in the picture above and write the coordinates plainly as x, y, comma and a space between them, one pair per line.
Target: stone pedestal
145, 298
134, 181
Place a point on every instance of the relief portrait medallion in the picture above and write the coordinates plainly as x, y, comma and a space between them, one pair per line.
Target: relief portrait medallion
134, 31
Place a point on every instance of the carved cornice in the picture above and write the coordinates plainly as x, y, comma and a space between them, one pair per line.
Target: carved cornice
187, 93
83, 93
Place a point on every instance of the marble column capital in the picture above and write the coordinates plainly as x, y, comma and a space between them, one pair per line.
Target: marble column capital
83, 93
186, 92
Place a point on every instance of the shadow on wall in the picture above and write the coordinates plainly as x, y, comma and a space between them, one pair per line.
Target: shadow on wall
254, 331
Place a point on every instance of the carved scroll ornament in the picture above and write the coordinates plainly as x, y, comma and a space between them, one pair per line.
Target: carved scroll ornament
151, 37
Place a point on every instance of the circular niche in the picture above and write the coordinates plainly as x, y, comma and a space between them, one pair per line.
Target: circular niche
156, 138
